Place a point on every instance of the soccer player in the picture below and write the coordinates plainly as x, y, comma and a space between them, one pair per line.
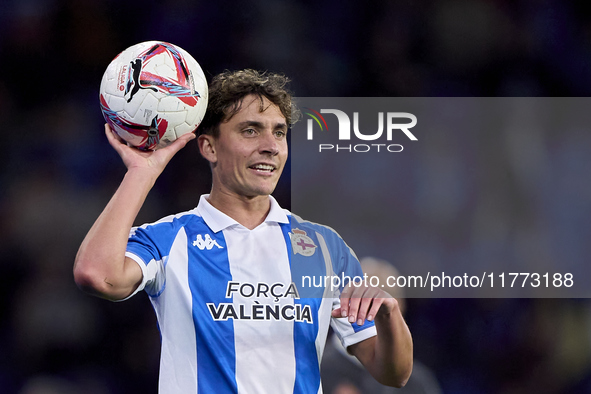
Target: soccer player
224, 278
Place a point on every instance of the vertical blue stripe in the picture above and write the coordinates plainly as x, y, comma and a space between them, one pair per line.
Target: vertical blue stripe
307, 380
209, 274
304, 339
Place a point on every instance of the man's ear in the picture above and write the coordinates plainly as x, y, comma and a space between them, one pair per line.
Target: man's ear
207, 147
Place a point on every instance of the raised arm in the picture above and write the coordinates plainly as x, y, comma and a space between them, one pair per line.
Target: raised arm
388, 357
101, 267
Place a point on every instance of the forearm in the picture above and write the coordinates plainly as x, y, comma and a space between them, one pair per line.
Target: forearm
100, 266
392, 359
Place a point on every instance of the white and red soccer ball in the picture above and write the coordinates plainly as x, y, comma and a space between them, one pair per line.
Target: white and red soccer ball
152, 93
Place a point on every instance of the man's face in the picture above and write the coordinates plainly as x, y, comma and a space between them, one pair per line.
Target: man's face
251, 149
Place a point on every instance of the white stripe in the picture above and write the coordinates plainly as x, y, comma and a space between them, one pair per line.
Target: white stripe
174, 308
325, 308
265, 357
358, 336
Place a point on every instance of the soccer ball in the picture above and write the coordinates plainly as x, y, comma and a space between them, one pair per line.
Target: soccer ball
152, 93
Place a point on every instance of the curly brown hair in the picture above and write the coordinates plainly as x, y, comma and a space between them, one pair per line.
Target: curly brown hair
227, 90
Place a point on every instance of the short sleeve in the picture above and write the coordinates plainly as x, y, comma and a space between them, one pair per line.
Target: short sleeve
351, 333
149, 246
346, 266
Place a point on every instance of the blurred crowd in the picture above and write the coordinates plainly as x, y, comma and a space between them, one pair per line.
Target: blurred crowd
57, 171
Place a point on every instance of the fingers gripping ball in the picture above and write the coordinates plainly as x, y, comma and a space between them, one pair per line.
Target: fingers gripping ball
152, 93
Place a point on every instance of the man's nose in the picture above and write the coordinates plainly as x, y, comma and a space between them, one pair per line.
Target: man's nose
269, 144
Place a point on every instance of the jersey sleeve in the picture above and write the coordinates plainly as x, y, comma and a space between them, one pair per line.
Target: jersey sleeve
350, 333
347, 267
149, 246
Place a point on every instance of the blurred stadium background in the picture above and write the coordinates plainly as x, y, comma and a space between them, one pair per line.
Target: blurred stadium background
57, 171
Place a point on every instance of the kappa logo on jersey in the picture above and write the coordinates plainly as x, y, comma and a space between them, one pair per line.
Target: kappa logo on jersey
301, 243
206, 243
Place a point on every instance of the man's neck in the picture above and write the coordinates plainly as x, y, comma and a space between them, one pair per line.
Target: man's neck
248, 211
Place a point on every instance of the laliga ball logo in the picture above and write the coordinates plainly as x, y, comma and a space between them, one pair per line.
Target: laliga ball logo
152, 93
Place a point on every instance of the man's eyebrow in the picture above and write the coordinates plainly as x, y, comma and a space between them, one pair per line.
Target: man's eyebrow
250, 123
255, 123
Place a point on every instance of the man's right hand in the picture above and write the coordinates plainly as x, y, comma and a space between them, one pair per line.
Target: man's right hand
154, 161
101, 267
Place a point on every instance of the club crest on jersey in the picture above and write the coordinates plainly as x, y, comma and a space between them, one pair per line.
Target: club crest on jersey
301, 243
206, 242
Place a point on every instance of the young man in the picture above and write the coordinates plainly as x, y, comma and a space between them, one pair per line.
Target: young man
222, 277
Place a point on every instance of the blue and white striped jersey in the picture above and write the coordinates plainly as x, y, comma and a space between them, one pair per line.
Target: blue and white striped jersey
239, 310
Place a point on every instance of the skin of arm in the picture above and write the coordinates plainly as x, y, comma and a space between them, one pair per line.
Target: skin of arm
100, 267
388, 357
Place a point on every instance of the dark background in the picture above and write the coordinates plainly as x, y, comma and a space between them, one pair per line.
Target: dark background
58, 172
491, 185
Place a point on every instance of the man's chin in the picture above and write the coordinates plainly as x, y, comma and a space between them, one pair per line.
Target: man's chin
258, 191
265, 188
265, 191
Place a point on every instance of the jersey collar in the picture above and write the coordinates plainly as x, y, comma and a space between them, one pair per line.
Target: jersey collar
217, 220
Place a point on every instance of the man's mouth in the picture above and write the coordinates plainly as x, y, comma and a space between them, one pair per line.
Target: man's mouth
263, 168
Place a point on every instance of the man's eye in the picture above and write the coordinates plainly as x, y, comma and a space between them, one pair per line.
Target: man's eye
280, 133
249, 131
